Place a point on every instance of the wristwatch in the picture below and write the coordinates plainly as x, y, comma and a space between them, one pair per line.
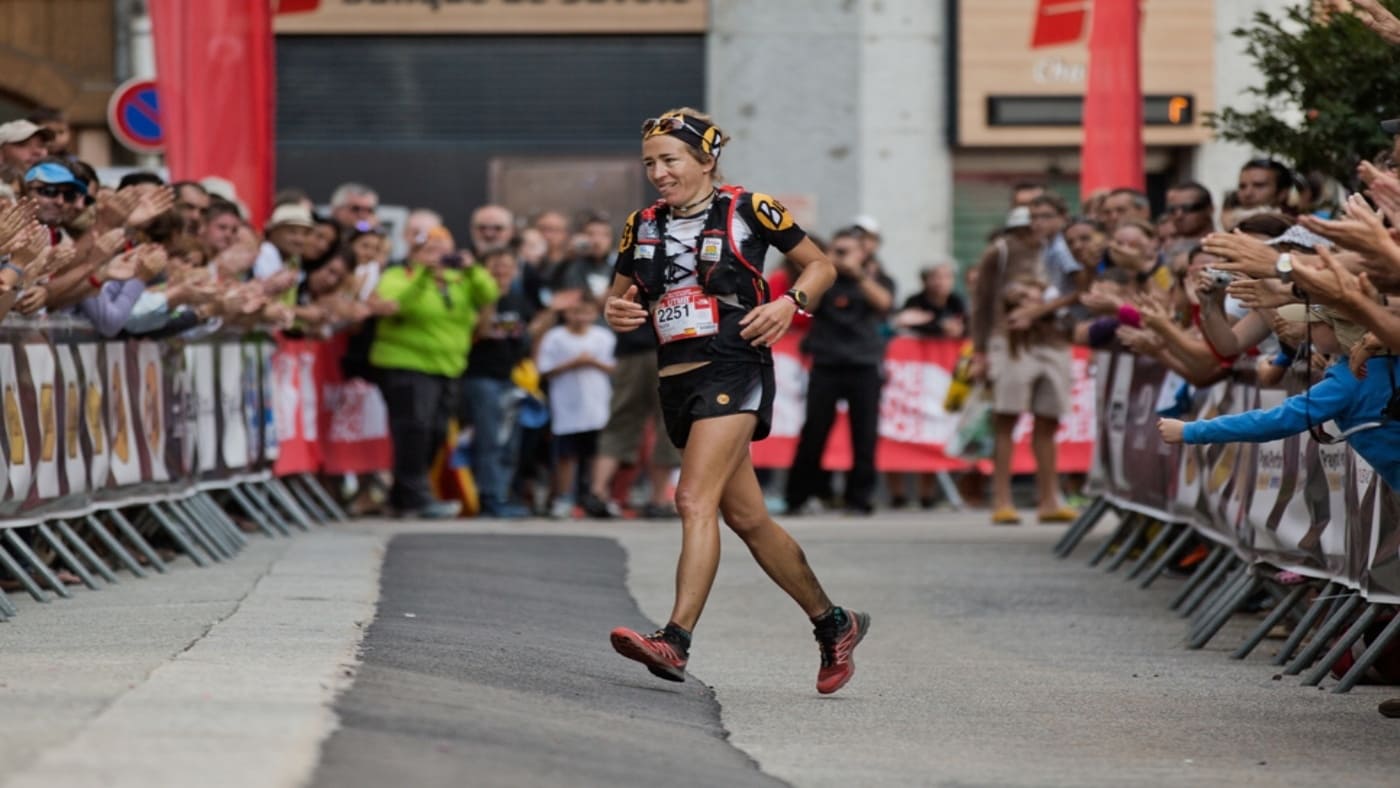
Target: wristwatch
798, 297
1284, 267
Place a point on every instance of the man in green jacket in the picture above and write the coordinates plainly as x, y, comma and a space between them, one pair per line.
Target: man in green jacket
419, 354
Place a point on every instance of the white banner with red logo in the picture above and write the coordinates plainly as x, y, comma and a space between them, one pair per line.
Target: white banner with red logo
326, 423
914, 427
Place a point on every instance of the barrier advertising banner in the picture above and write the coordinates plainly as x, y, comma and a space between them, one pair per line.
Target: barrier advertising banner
1297, 504
913, 426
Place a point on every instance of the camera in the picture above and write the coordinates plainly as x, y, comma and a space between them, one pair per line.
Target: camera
453, 261
1218, 279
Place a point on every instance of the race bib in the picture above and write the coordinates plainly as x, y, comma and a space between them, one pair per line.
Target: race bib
685, 313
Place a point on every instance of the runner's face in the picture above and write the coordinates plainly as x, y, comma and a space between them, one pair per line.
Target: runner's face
672, 169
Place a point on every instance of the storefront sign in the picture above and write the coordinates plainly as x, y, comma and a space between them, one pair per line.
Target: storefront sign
395, 17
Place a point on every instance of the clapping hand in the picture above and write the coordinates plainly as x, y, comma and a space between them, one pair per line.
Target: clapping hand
32, 300
1102, 298
1139, 341
1361, 229
1242, 254
279, 282
1328, 282
14, 220
1378, 18
151, 204
1261, 293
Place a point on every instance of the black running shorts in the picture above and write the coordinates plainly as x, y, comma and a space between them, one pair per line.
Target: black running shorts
720, 388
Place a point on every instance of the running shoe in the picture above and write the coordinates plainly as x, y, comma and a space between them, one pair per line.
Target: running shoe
838, 645
663, 658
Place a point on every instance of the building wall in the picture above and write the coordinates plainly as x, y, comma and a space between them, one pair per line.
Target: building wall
837, 108
1217, 163
58, 53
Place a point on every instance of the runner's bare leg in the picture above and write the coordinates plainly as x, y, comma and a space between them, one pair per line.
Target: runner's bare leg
771, 545
714, 450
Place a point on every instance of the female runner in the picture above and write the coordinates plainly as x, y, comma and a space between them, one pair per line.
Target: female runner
692, 266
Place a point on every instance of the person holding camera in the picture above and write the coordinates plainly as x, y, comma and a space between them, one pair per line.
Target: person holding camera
419, 353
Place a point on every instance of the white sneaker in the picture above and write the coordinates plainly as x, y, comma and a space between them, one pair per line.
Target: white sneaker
562, 509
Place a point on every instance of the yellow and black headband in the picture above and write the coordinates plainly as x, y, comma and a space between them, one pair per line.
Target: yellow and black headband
699, 134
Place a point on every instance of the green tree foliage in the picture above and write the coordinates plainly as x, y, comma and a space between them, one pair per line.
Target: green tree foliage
1340, 74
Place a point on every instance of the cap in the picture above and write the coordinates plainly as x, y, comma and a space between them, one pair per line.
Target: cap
867, 224
1299, 235
291, 216
55, 174
1019, 216
21, 130
1391, 126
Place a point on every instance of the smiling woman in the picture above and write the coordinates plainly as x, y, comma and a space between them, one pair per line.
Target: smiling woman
692, 266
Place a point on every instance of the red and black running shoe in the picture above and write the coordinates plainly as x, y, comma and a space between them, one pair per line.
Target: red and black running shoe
663, 658
838, 644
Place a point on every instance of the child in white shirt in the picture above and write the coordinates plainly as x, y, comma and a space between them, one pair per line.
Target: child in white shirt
577, 359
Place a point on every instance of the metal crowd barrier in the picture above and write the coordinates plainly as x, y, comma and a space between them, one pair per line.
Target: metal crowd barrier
1315, 510
111, 445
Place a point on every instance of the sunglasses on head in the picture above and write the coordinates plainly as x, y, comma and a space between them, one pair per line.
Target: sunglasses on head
675, 124
668, 125
54, 192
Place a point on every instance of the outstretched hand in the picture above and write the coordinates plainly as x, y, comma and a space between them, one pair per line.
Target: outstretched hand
1172, 430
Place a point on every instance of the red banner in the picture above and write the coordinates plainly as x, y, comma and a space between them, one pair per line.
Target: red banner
913, 425
1112, 152
326, 423
214, 64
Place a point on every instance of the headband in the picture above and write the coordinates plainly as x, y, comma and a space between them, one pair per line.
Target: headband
695, 132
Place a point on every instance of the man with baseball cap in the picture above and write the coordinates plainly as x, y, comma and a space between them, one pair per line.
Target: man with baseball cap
57, 194
23, 143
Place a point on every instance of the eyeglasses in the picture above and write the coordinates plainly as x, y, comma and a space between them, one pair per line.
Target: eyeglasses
55, 192
1189, 208
361, 209
489, 228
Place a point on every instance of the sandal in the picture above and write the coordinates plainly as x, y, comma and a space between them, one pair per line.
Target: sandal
1006, 516
1064, 514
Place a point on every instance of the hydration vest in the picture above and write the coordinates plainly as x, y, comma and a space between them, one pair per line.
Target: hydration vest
720, 265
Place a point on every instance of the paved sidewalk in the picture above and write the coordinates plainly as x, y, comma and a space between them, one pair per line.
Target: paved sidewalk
209, 677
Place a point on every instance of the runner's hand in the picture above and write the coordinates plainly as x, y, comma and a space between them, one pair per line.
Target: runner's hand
764, 325
624, 314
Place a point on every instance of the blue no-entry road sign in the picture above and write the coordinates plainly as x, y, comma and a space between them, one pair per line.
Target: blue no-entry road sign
133, 114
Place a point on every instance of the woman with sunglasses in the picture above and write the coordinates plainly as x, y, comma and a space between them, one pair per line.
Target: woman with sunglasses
691, 265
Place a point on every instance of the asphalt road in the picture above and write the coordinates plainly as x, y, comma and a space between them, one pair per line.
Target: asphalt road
489, 665
486, 662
